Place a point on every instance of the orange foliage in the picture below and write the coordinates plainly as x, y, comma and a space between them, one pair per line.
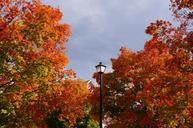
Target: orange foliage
153, 87
33, 77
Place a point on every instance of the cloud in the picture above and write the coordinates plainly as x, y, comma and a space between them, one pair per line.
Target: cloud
101, 27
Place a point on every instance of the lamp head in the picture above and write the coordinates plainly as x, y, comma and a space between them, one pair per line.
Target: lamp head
100, 68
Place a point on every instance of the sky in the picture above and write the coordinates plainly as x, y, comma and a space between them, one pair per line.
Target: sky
101, 27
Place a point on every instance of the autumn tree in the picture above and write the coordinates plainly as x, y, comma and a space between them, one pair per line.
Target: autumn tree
153, 88
34, 81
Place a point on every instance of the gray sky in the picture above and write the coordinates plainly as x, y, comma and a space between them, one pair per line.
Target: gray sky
101, 27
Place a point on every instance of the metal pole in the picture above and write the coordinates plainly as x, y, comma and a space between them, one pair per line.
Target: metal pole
101, 100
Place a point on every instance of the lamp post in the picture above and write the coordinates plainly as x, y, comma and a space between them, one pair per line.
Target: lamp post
100, 68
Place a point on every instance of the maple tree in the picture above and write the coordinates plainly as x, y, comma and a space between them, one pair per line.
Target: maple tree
34, 81
153, 87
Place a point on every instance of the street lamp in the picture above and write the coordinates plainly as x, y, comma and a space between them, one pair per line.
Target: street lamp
100, 68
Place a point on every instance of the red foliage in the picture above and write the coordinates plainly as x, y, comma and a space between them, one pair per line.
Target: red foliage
153, 87
33, 60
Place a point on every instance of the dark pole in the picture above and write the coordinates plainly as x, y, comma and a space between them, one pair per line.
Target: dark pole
100, 68
101, 100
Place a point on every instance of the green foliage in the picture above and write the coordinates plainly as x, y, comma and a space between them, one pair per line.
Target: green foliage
53, 121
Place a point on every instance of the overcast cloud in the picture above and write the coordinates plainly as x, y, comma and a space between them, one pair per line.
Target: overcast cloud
101, 27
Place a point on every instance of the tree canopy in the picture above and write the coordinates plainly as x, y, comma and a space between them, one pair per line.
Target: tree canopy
34, 80
153, 88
